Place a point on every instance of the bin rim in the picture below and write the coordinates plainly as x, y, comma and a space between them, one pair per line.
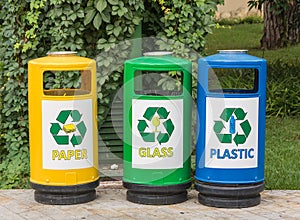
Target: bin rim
158, 53
233, 51
61, 53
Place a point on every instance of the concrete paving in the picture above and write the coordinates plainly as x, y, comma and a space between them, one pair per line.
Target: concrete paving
111, 203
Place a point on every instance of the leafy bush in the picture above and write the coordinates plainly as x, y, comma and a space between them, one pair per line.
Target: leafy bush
252, 20
31, 28
93, 28
236, 20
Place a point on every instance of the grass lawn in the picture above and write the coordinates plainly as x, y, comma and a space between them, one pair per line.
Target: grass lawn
243, 36
246, 36
282, 153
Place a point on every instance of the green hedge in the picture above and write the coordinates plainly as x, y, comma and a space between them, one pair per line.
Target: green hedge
31, 28
95, 29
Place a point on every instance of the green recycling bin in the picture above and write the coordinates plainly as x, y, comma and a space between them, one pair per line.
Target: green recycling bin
157, 129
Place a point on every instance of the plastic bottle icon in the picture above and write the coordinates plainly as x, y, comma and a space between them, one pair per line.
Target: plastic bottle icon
232, 125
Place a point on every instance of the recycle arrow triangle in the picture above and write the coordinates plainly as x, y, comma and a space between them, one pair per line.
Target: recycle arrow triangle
63, 116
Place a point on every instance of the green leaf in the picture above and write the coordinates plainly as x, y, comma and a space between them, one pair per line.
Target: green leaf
117, 31
136, 21
113, 2
90, 3
101, 5
73, 16
121, 12
97, 21
109, 27
80, 13
89, 16
101, 41
105, 17
73, 33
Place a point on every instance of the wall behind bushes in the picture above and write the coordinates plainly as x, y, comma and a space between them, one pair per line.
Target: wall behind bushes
232, 9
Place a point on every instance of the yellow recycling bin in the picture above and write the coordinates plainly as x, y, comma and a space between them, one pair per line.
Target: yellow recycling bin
63, 129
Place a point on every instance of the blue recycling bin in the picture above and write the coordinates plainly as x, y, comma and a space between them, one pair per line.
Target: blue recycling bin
231, 129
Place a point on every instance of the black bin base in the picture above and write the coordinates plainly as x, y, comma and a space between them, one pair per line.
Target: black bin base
229, 196
65, 195
156, 195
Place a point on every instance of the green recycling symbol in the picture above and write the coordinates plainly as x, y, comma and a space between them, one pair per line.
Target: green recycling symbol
156, 115
69, 134
232, 116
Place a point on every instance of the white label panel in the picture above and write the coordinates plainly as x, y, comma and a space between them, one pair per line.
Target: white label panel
67, 134
231, 139
157, 134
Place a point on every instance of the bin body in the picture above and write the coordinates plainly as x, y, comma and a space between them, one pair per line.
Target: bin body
231, 135
157, 131
63, 131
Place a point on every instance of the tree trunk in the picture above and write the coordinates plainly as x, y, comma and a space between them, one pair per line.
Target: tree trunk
294, 22
281, 24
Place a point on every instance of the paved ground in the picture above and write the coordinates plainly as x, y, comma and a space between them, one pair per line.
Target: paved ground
111, 203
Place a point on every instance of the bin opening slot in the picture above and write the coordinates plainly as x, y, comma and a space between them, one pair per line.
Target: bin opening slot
158, 83
233, 80
67, 83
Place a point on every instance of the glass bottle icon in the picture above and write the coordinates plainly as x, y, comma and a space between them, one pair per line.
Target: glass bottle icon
155, 122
